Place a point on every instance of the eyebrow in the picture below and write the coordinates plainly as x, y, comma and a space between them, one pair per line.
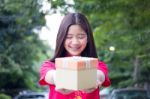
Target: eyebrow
82, 33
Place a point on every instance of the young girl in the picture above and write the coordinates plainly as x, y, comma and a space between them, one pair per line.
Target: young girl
74, 38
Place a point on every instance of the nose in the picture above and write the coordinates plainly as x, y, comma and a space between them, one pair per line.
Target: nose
75, 40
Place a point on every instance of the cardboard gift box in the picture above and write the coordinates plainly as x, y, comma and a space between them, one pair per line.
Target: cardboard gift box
76, 73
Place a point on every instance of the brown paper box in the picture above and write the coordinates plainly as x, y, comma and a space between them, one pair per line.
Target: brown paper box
76, 75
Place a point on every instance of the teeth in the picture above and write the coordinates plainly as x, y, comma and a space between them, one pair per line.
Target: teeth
75, 48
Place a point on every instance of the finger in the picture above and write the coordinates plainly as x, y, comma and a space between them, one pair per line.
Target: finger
89, 90
64, 91
99, 83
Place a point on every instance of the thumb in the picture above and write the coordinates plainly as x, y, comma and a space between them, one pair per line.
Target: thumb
100, 77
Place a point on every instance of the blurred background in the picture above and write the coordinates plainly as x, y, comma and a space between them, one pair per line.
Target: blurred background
121, 29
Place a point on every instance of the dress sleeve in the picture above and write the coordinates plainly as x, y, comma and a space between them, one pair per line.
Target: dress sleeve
45, 67
103, 67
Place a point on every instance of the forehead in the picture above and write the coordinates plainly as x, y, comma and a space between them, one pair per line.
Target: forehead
75, 29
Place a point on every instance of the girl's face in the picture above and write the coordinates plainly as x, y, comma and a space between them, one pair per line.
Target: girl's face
76, 40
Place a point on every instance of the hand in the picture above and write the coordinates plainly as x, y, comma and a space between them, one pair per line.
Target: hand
89, 90
100, 80
50, 77
64, 91
100, 77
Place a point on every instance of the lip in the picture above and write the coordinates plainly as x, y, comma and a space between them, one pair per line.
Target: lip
75, 48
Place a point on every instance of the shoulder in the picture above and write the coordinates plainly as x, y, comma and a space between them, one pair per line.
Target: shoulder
101, 63
102, 66
48, 63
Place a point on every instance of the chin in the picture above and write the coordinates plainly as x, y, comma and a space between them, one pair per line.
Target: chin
75, 54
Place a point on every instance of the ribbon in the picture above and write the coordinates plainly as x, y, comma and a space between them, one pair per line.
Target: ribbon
77, 58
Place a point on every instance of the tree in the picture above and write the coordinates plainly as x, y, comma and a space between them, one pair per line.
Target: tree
123, 24
20, 48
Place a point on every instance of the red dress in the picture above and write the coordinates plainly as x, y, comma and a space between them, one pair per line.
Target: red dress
47, 65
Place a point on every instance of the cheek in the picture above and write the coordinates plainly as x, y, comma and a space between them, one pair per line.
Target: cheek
84, 43
66, 43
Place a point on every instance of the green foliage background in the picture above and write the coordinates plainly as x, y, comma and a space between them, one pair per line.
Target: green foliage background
21, 50
123, 24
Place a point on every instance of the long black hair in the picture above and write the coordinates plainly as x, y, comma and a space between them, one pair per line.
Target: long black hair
73, 19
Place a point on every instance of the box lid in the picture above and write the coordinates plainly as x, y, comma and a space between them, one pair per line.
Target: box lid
76, 63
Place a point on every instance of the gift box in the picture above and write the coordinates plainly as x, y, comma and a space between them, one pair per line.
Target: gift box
76, 73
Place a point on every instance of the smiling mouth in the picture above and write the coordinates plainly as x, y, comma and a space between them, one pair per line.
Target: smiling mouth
75, 48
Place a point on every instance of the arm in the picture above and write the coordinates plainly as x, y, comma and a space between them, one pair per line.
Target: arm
103, 70
50, 77
47, 76
47, 73
102, 77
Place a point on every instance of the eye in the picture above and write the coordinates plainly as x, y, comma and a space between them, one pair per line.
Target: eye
69, 37
81, 36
